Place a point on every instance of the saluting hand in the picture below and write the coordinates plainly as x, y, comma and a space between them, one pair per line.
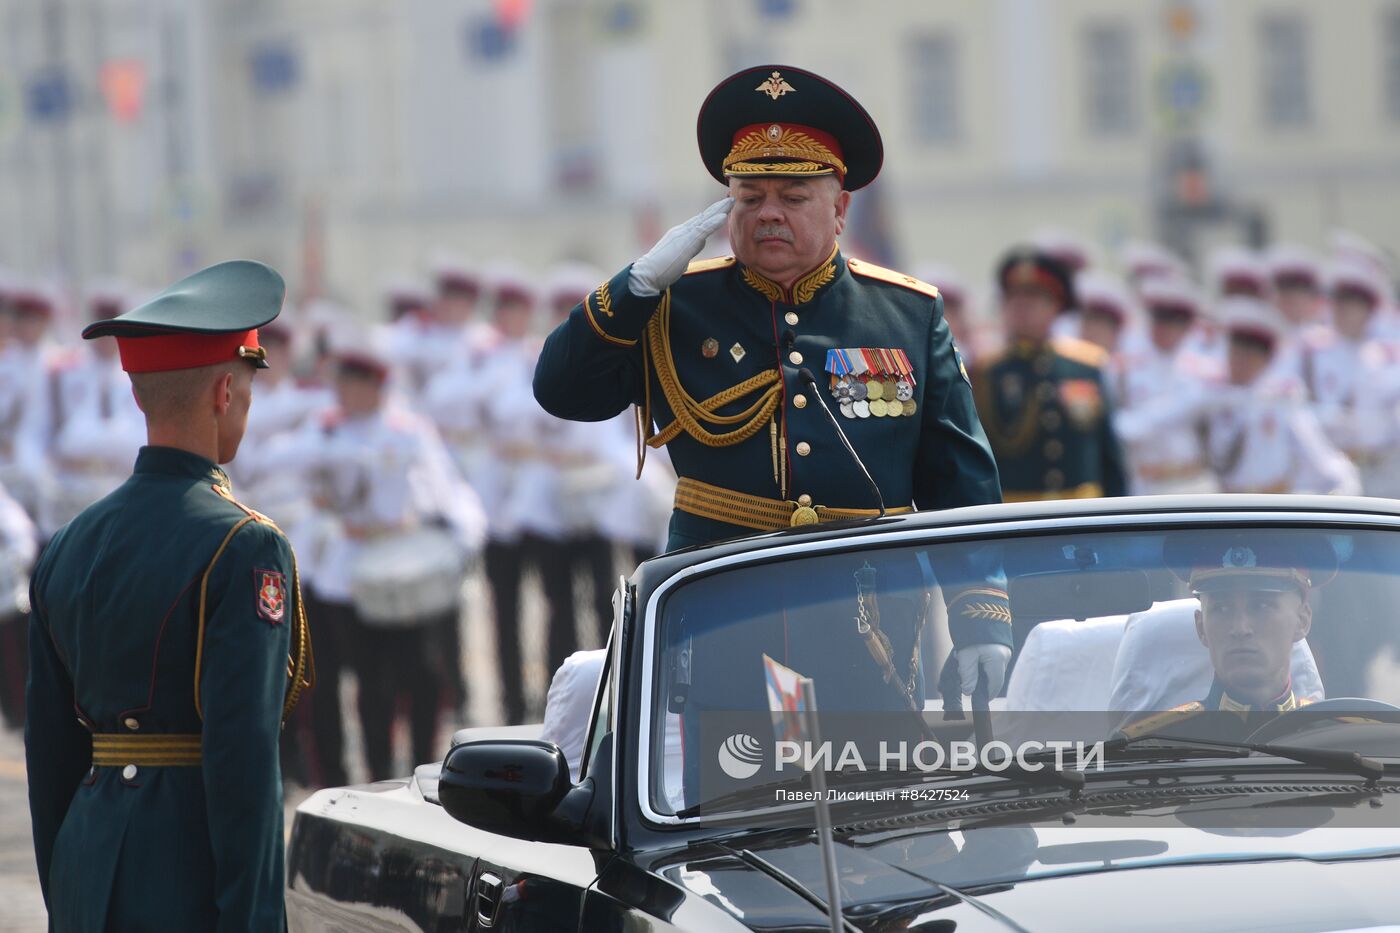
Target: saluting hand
666, 261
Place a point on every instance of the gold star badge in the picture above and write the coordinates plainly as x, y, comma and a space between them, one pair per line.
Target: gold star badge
775, 86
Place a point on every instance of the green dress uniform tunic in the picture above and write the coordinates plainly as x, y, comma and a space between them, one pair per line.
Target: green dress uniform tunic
166, 644
715, 363
1047, 413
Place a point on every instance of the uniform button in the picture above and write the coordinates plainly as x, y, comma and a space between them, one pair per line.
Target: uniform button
804, 499
1054, 450
799, 401
795, 358
790, 317
1054, 480
131, 723
129, 773
803, 448
1050, 421
1045, 391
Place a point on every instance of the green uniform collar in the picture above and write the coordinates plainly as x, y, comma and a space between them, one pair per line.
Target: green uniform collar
1218, 699
807, 287
171, 461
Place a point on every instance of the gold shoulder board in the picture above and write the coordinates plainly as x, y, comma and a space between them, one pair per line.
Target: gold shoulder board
708, 265
1081, 351
1157, 720
872, 271
251, 513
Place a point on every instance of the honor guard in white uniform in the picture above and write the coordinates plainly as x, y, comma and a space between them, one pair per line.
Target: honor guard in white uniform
284, 407
536, 518
98, 427
1353, 379
1295, 282
1108, 313
456, 320
19, 544
1142, 260
392, 570
411, 330
1163, 395
26, 402
1236, 272
1261, 434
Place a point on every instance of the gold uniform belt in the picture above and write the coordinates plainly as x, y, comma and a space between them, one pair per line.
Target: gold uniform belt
1082, 491
174, 750
746, 511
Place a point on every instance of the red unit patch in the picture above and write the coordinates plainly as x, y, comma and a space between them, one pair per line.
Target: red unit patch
272, 595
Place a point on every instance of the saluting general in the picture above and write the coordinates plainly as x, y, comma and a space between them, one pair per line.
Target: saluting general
716, 352
732, 360
168, 645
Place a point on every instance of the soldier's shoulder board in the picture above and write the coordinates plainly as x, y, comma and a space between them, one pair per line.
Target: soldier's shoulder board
254, 514
871, 271
709, 265
1154, 721
1080, 351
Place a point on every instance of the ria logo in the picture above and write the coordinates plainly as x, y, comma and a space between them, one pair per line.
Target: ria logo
740, 756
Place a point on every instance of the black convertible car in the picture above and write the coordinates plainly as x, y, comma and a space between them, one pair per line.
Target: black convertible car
1197, 733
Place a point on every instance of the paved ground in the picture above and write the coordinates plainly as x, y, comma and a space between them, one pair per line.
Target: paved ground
21, 906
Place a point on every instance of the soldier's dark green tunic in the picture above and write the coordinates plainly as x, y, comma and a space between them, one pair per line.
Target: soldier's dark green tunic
113, 646
723, 326
1047, 415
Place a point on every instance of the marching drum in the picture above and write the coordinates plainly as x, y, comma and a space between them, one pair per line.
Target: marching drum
404, 579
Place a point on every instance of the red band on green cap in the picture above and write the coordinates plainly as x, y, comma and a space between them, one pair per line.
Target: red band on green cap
166, 352
767, 142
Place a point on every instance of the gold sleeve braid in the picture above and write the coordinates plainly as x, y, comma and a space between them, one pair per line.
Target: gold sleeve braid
689, 413
301, 661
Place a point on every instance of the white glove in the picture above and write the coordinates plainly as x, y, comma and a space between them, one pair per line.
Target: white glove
666, 261
990, 660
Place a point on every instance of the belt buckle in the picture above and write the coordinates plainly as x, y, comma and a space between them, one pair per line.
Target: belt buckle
803, 515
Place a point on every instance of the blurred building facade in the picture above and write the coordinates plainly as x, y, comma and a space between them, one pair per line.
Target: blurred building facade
344, 140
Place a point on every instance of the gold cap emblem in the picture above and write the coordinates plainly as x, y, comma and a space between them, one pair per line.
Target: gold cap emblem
775, 133
775, 86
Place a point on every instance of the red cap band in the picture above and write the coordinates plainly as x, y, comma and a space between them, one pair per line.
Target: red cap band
765, 142
167, 352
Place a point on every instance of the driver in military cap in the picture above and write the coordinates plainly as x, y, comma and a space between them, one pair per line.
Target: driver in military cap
731, 361
168, 644
1254, 592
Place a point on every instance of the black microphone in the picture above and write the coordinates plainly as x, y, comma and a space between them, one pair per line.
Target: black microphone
806, 376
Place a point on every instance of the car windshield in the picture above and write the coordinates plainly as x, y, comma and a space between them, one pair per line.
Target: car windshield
1210, 631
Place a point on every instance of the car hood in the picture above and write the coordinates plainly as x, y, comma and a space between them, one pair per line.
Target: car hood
1058, 876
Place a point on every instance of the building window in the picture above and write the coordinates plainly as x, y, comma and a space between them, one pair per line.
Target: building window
1110, 80
1284, 78
1391, 38
934, 66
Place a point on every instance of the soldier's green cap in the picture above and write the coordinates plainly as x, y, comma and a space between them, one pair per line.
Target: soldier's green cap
209, 317
1253, 561
776, 120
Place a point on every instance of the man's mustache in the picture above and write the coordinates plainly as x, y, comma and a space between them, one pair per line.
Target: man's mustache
782, 233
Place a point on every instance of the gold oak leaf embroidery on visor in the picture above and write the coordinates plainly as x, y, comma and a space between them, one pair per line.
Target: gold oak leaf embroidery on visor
786, 143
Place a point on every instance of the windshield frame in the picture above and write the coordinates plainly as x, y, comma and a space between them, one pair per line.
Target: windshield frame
980, 531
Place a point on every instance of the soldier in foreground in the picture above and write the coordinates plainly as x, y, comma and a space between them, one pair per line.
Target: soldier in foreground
167, 645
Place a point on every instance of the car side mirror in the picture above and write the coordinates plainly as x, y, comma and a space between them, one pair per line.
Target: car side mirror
512, 787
